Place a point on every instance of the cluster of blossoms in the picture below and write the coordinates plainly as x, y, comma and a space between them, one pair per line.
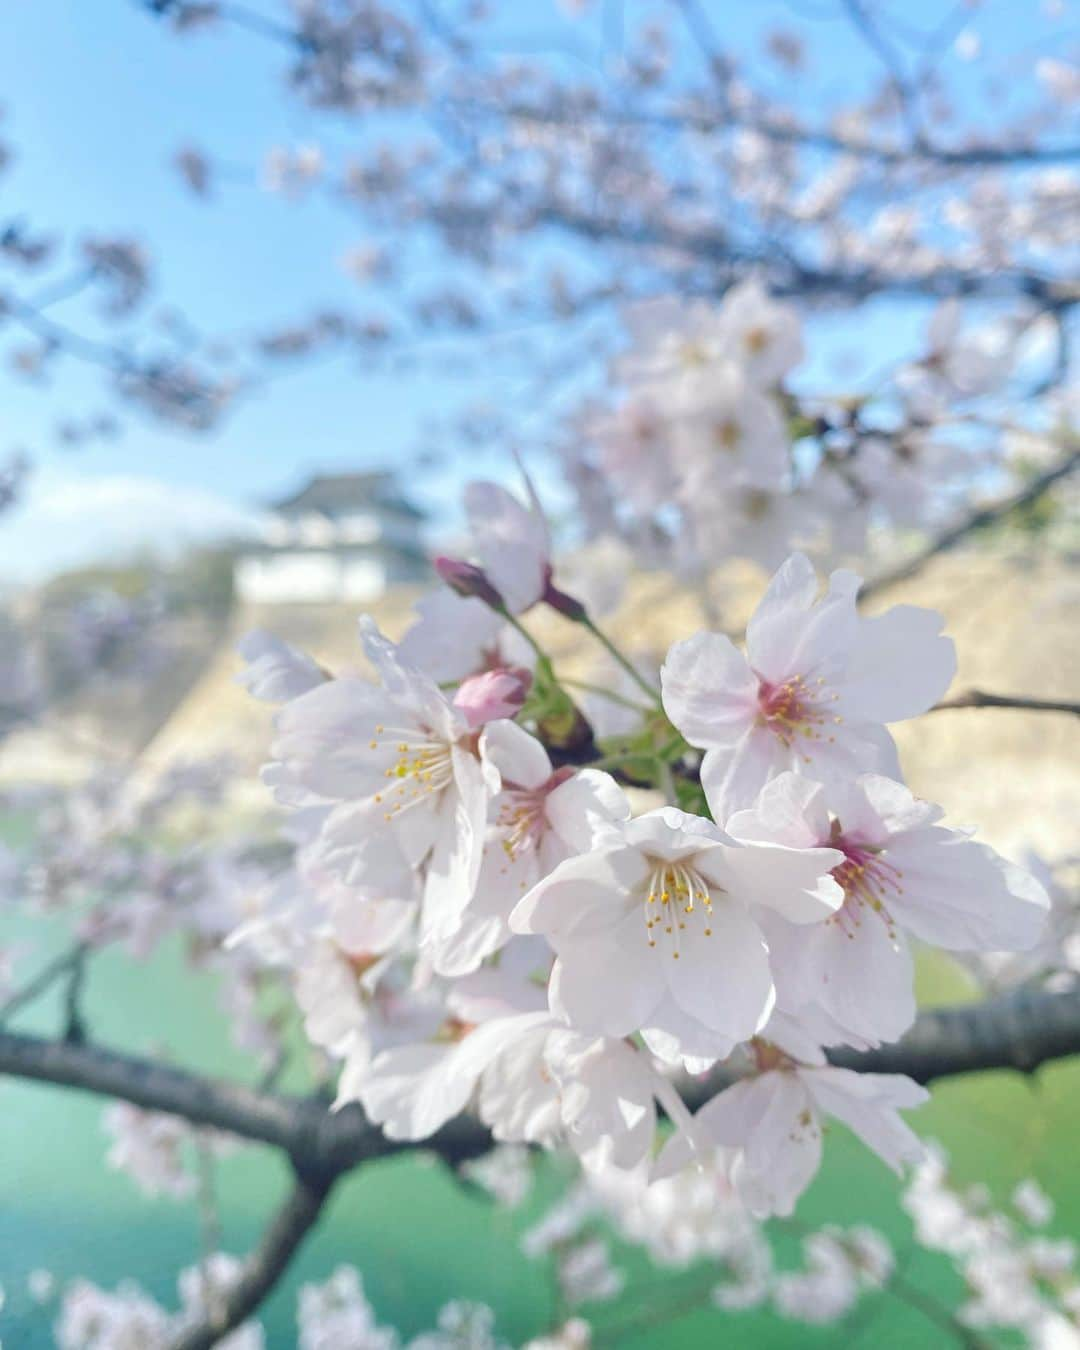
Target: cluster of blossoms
136, 861
334, 1315
474, 921
693, 1226
157, 1150
55, 648
1018, 1277
695, 1221
706, 452
92, 1318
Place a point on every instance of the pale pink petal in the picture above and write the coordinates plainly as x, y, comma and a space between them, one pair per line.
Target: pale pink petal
962, 895
723, 981
867, 1104
363, 926
581, 809
454, 636
773, 630
790, 810
605, 1007
893, 805
276, 670
899, 666
520, 758
859, 974
733, 778
588, 894
709, 691
795, 882
511, 541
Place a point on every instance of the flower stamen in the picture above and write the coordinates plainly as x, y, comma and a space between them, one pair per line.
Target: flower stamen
675, 892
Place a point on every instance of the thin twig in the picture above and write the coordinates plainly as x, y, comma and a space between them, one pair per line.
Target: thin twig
979, 698
971, 524
264, 1267
934, 1311
209, 1227
587, 687
74, 1025
43, 981
622, 660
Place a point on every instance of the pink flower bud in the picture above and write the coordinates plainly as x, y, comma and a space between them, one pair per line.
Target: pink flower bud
495, 693
468, 580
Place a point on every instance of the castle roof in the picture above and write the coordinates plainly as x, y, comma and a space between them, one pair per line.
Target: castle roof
334, 494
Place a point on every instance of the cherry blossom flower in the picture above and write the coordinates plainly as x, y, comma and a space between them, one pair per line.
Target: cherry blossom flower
338, 944
276, 670
511, 542
540, 817
1015, 1278
633, 442
609, 1092
151, 1148
395, 754
460, 632
762, 335
838, 1266
902, 873
671, 340
456, 636
729, 432
336, 1315
693, 1214
772, 1122
492, 1047
654, 930
585, 1273
529, 1078
95, 1319
812, 691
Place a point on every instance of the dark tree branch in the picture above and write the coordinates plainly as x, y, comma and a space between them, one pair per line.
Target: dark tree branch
1019, 1030
977, 520
979, 698
789, 277
264, 1267
316, 1138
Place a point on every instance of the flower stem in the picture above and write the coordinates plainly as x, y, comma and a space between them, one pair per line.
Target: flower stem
643, 684
598, 689
518, 627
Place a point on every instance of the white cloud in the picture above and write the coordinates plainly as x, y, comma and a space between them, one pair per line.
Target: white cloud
65, 520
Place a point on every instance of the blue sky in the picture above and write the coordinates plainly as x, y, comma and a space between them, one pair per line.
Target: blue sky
98, 97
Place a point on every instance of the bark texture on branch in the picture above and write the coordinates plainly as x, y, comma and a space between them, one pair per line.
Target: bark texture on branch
1021, 1030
